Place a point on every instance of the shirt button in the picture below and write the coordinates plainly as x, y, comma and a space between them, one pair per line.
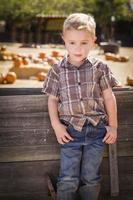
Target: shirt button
81, 99
79, 83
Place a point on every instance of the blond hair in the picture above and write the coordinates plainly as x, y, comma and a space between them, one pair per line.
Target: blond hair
80, 21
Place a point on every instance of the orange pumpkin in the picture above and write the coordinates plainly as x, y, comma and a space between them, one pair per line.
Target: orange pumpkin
112, 56
108, 56
10, 77
130, 80
116, 58
124, 59
18, 61
55, 54
41, 76
3, 48
26, 61
42, 55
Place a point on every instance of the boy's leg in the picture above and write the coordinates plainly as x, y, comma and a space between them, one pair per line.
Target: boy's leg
91, 161
89, 192
71, 155
68, 181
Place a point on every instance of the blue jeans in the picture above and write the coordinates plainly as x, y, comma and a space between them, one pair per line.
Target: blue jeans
80, 162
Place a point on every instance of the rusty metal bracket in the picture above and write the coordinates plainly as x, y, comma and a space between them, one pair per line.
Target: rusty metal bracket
50, 187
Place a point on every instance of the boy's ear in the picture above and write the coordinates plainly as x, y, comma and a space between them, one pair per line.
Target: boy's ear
95, 39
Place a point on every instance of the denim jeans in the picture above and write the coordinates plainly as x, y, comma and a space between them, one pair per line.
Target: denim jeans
80, 162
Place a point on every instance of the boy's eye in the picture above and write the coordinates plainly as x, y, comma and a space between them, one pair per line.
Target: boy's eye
71, 42
84, 43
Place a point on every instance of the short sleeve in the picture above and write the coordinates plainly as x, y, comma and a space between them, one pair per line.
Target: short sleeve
107, 79
51, 83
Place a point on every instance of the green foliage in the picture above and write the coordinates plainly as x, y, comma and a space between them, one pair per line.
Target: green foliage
23, 10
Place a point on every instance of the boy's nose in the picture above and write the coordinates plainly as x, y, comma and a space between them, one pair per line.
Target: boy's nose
78, 48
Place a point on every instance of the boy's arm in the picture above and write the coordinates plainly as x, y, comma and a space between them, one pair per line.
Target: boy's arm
60, 130
111, 109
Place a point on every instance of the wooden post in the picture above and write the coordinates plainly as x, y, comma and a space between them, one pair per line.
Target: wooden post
114, 179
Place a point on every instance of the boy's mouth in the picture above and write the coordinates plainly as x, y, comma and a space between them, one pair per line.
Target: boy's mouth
77, 55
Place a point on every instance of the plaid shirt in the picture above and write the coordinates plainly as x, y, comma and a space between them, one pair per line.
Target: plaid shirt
80, 90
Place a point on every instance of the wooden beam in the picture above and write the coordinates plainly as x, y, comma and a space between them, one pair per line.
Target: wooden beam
114, 179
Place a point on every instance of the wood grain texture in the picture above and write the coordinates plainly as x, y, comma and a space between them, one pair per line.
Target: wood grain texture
28, 146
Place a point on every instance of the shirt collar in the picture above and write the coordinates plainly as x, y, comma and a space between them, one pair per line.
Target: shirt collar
66, 64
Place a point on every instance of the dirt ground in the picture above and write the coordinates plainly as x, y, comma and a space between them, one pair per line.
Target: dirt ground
120, 70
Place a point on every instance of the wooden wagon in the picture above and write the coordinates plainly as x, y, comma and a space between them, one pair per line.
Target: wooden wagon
28, 147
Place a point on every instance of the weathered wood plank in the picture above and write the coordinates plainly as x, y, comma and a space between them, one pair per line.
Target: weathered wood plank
126, 183
26, 196
122, 196
24, 120
49, 152
123, 168
29, 153
25, 137
28, 147
42, 196
28, 177
23, 104
125, 113
125, 132
38, 91
20, 91
15, 136
41, 119
125, 148
41, 100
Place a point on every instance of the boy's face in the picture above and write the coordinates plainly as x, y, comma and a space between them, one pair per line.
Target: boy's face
78, 44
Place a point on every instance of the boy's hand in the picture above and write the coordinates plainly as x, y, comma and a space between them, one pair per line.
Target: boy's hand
111, 135
61, 134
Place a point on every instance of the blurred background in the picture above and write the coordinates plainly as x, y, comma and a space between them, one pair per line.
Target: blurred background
30, 44
31, 27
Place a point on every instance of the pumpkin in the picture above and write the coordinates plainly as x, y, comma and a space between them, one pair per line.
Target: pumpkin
55, 54
124, 59
41, 76
42, 55
18, 61
116, 58
112, 56
108, 56
3, 48
26, 61
10, 77
130, 80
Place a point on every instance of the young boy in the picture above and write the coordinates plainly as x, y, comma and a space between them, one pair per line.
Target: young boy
82, 110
